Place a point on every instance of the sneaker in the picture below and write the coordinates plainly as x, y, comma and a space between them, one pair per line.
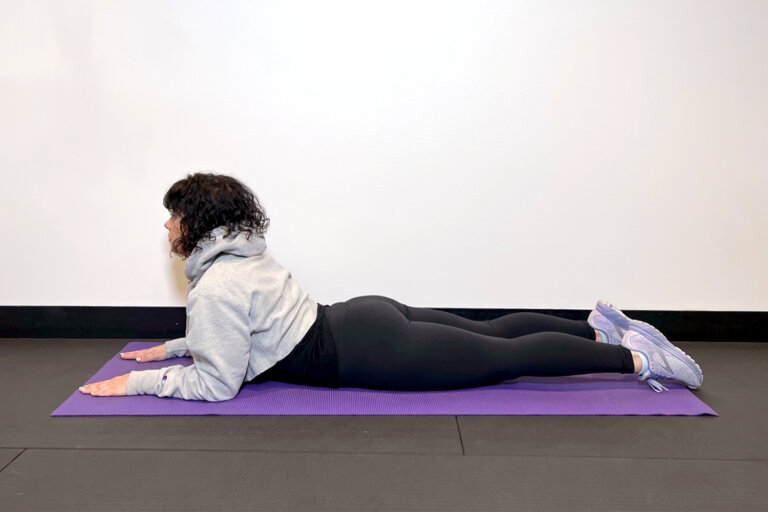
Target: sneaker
610, 320
665, 360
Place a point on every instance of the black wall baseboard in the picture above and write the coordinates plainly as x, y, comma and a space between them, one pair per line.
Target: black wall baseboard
169, 322
91, 322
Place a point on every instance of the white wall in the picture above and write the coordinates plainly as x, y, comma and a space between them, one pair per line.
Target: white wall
446, 154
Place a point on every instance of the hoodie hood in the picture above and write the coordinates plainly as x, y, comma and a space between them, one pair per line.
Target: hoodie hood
236, 244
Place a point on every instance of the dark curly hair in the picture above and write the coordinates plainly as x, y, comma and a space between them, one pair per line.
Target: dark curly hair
205, 201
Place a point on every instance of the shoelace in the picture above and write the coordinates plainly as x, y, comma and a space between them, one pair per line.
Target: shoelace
653, 383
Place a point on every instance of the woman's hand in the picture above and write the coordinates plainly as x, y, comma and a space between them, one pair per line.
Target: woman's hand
116, 386
156, 353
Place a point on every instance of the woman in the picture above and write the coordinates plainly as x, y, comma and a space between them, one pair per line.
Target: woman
248, 320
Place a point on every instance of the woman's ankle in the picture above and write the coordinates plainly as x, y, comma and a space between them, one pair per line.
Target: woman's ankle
637, 359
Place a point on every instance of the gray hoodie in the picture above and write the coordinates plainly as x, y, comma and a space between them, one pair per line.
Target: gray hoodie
244, 314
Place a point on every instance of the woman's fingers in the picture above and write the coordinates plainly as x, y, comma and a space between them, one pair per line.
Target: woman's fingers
156, 353
115, 386
136, 354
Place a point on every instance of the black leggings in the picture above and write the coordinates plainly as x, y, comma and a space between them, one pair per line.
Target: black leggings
383, 344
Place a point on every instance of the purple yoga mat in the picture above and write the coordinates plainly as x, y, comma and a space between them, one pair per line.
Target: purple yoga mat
596, 394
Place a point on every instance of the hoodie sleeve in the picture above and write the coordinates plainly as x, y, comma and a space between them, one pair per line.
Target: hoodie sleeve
176, 348
218, 337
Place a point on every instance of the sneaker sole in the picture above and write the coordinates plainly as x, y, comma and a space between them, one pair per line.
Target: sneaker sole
610, 312
655, 335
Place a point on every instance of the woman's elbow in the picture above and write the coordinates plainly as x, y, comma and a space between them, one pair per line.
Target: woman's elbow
221, 395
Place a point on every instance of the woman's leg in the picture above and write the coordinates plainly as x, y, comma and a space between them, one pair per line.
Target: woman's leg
381, 348
511, 325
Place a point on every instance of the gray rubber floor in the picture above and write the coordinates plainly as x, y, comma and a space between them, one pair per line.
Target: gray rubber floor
358, 463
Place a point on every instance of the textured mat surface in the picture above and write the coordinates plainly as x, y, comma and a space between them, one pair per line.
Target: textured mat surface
598, 394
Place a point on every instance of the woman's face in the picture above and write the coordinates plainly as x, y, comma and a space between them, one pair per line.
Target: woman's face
172, 225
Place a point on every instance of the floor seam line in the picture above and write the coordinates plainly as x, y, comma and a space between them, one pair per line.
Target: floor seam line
461, 440
14, 459
385, 453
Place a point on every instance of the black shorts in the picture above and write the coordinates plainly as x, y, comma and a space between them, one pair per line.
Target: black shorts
313, 361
